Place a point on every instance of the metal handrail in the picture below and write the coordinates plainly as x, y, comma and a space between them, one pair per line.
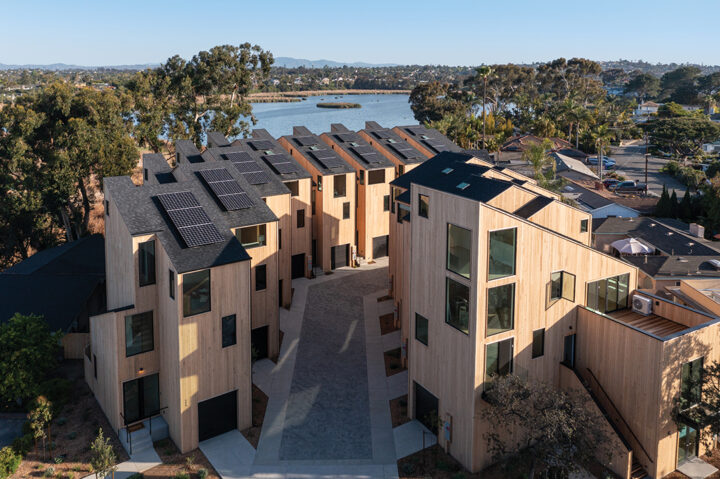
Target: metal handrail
128, 436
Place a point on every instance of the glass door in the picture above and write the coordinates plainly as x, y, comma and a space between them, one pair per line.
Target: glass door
687, 444
141, 398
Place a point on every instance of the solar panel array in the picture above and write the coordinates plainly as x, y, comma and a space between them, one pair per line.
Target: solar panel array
261, 145
436, 145
327, 158
282, 164
190, 219
347, 137
306, 140
226, 189
248, 167
416, 130
366, 154
382, 134
404, 150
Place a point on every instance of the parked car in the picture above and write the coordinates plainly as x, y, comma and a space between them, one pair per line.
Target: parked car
607, 162
629, 186
609, 183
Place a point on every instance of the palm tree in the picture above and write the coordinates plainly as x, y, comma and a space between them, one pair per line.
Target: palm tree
537, 156
484, 72
602, 136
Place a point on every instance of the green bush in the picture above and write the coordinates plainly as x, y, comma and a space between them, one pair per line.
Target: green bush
182, 475
203, 473
49, 472
672, 168
57, 390
23, 444
9, 462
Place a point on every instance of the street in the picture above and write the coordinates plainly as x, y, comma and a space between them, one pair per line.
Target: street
631, 164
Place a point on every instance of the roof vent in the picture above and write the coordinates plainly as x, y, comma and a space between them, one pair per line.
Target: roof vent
447, 171
653, 225
463, 185
669, 233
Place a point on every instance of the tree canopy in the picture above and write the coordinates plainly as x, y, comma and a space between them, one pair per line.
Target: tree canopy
682, 135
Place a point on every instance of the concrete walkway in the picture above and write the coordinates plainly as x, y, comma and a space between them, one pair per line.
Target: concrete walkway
139, 462
328, 413
696, 468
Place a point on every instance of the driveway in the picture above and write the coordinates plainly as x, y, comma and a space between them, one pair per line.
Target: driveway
631, 164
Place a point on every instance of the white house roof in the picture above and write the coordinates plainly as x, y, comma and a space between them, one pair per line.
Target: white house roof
565, 163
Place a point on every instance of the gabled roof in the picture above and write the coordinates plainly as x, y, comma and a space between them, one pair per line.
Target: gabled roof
533, 206
675, 266
429, 138
387, 138
186, 151
521, 143
353, 144
565, 163
586, 198
312, 148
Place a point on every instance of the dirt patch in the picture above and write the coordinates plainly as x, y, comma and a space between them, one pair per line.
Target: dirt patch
387, 297
259, 405
175, 463
71, 432
393, 363
399, 411
387, 324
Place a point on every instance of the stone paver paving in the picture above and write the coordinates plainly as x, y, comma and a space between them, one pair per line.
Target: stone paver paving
328, 409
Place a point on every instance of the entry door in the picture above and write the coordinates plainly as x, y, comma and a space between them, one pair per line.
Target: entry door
141, 398
339, 256
217, 415
298, 265
687, 444
426, 408
569, 351
380, 246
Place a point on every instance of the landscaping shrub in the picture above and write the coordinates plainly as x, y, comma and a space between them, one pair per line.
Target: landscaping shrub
49, 472
203, 473
182, 475
57, 390
9, 462
23, 444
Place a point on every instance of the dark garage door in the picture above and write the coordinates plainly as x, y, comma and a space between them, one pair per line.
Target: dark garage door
298, 265
217, 415
340, 256
426, 408
380, 246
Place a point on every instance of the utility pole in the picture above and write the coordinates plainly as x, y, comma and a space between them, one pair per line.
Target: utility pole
647, 156
600, 159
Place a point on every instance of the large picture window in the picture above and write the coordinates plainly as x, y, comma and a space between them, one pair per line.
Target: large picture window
459, 242
500, 309
252, 236
502, 253
339, 186
608, 295
498, 359
538, 344
146, 265
196, 292
138, 333
457, 305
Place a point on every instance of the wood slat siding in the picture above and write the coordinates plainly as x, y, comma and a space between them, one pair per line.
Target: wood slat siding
692, 290
302, 237
442, 367
118, 270
329, 229
280, 205
512, 199
684, 316
565, 220
74, 345
372, 221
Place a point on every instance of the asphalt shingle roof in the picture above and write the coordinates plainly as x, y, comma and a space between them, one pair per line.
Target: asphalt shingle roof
387, 137
348, 140
429, 137
305, 142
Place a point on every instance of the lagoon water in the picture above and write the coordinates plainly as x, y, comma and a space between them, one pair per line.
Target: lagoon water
279, 118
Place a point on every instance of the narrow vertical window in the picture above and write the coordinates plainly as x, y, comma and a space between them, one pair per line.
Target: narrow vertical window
583, 226
458, 250
421, 329
301, 217
171, 282
346, 210
386, 203
260, 277
279, 239
146, 260
196, 292
339, 186
423, 206
538, 344
229, 331
502, 253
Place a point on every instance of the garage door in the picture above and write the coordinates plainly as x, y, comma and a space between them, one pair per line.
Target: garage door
340, 256
217, 415
380, 246
426, 407
298, 265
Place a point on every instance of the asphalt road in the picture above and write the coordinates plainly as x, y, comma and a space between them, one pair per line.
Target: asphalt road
631, 164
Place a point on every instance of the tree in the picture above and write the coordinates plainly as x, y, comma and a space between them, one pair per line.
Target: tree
682, 135
663, 208
673, 205
685, 210
643, 86
40, 417
103, 460
552, 429
433, 100
29, 352
680, 85
484, 72
537, 155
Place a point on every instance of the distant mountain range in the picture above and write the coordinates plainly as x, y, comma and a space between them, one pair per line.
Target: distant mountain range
289, 62
65, 66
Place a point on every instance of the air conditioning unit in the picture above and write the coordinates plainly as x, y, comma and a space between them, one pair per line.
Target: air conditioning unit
642, 305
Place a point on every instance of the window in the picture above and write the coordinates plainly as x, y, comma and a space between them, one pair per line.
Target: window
403, 213
386, 203
376, 176
691, 383
279, 239
294, 188
138, 333
401, 169
229, 336
95, 365
319, 183
561, 286
423, 206
146, 259
346, 210
301, 217
171, 283
583, 226
339, 186
421, 329
538, 344
260, 277
608, 295
458, 250
107, 208
252, 236
500, 309
502, 253
361, 177
457, 305
145, 173
498, 359
196, 292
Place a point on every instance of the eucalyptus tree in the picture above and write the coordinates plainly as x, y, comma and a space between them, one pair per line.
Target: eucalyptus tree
483, 73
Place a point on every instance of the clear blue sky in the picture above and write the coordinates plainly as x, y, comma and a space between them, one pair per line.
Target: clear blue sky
451, 32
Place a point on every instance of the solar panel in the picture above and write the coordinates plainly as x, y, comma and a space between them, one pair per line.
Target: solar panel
399, 151
322, 154
416, 130
238, 156
261, 145
190, 219
327, 158
367, 154
435, 145
347, 137
382, 134
246, 166
249, 168
228, 192
306, 140
362, 150
282, 164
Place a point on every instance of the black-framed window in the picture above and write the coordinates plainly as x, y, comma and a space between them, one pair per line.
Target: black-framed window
538, 343
146, 263
498, 359
95, 365
107, 208
300, 218
691, 382
279, 238
339, 186
609, 294
171, 283
459, 246
401, 170
500, 309
252, 236
421, 329
403, 213
139, 333
260, 277
423, 205
141, 398
583, 226
386, 203
561, 286
346, 210
376, 176
457, 305
196, 292
361, 177
502, 253
229, 331
294, 187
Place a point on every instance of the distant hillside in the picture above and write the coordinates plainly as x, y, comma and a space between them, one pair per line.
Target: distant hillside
657, 69
64, 66
289, 62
